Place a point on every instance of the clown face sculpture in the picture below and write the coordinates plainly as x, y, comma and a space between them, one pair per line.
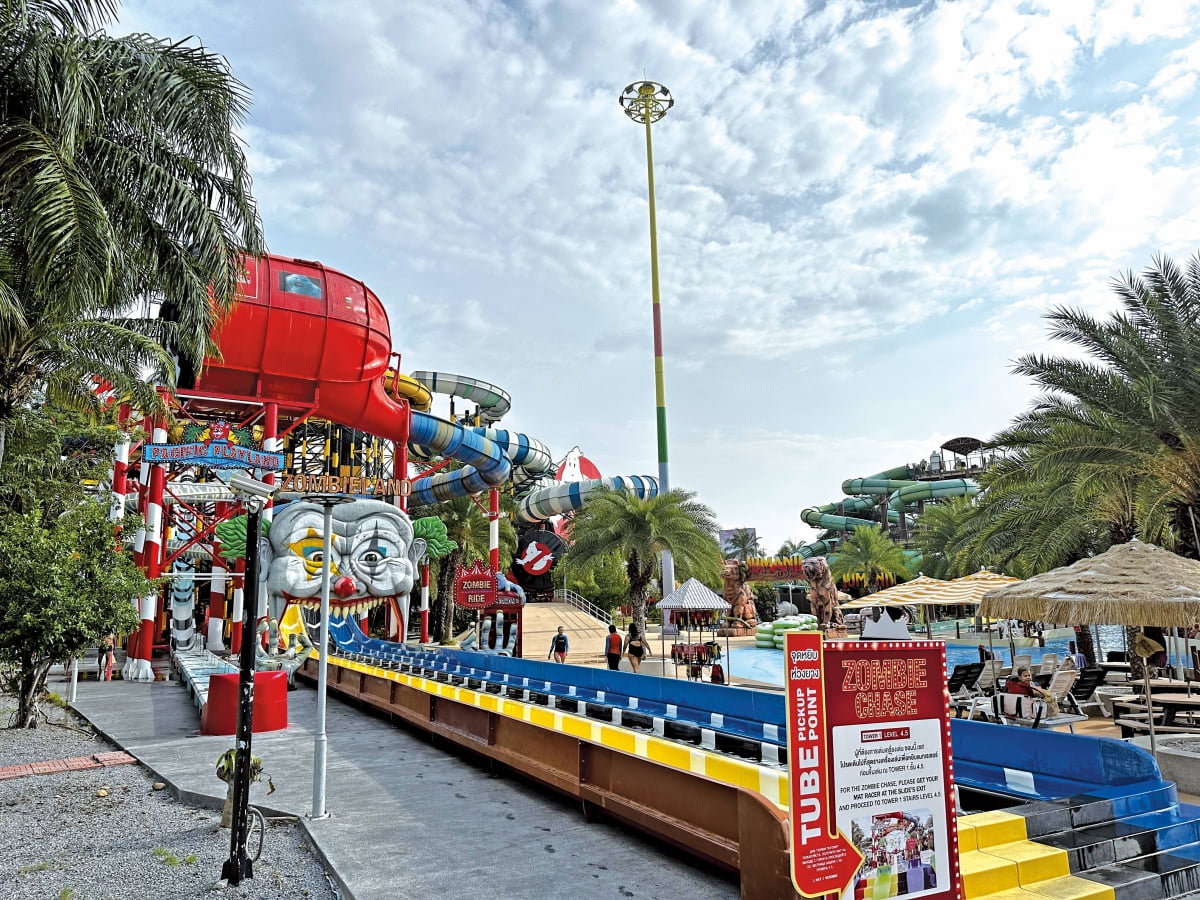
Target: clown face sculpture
374, 556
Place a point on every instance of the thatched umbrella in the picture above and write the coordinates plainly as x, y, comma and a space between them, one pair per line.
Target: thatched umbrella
1130, 584
1134, 584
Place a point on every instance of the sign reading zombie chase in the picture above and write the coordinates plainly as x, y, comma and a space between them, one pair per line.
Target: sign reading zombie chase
869, 756
475, 586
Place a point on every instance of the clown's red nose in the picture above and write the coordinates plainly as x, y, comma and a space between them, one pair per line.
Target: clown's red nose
344, 586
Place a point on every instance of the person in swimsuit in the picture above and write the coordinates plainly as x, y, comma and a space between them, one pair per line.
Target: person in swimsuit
636, 647
559, 646
105, 658
612, 648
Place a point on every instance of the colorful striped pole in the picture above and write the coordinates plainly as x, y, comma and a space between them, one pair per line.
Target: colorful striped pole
425, 601
271, 444
645, 103
216, 596
120, 473
139, 668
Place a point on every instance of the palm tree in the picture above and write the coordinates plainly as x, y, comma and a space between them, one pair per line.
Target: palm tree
121, 180
942, 535
742, 545
614, 521
1112, 448
789, 548
467, 531
871, 554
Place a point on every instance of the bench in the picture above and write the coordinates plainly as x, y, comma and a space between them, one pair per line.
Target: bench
1130, 727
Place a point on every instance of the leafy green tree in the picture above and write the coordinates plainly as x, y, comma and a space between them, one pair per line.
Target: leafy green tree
63, 585
639, 530
742, 545
603, 583
62, 588
121, 180
467, 531
870, 553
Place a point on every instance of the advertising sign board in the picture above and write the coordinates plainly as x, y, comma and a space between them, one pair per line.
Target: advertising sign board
872, 796
475, 586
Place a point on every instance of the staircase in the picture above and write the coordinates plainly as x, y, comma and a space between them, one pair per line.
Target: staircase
1141, 847
540, 621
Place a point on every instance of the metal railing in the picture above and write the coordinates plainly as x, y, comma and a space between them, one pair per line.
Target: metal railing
583, 604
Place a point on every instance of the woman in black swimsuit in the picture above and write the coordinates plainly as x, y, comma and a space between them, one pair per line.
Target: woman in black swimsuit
636, 647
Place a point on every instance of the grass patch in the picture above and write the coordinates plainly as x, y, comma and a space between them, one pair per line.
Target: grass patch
66, 893
168, 858
36, 867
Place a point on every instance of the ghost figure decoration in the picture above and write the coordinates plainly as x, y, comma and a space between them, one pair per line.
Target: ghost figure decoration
374, 556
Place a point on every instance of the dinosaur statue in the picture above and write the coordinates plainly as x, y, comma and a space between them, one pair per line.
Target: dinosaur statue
742, 615
822, 594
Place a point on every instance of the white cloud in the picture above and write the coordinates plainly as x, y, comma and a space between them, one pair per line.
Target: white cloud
863, 209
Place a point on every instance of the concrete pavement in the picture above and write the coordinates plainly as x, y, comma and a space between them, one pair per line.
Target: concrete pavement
408, 819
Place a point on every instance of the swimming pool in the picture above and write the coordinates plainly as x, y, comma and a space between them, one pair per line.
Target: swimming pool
766, 666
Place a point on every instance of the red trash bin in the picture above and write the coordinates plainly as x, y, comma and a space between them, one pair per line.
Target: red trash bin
220, 713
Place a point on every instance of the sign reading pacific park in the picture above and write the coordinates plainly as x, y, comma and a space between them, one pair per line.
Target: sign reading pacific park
475, 586
217, 445
871, 790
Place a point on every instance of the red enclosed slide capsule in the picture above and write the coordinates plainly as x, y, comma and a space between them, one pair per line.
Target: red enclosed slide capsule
304, 334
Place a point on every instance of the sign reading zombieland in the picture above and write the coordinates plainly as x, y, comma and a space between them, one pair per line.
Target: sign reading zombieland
869, 766
475, 586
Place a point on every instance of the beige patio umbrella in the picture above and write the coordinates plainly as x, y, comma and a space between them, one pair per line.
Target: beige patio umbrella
965, 591
1134, 584
904, 594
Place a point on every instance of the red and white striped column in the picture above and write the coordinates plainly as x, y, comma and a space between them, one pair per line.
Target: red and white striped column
138, 667
425, 601
120, 472
216, 596
271, 444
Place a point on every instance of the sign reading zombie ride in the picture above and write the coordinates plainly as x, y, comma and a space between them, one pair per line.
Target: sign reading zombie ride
475, 586
871, 789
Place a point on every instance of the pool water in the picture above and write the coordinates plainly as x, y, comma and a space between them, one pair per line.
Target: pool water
763, 665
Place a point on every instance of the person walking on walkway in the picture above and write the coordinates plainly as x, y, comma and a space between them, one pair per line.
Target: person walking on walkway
559, 646
105, 657
636, 647
612, 648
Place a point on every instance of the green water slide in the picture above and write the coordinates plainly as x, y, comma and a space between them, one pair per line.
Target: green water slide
895, 488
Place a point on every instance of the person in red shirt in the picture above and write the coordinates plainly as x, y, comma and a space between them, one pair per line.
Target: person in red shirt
1021, 683
612, 648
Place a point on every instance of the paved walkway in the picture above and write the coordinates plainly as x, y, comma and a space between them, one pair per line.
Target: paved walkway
408, 819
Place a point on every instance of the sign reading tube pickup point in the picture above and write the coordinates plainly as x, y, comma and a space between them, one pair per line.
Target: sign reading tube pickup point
872, 811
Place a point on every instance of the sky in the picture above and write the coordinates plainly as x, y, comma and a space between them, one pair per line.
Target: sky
864, 207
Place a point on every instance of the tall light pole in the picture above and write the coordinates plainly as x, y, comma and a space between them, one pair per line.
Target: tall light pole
321, 741
254, 495
645, 102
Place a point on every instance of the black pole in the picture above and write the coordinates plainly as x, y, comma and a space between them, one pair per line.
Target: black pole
239, 866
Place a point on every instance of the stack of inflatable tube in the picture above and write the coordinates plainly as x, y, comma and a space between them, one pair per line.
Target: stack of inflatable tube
764, 636
780, 627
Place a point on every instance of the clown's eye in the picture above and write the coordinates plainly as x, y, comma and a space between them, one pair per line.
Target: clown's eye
314, 555
373, 555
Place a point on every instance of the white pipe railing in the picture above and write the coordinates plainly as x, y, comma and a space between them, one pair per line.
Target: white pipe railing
583, 604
